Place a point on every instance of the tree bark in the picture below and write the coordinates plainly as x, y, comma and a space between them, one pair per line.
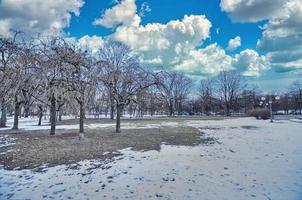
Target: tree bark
26, 111
119, 110
16, 117
53, 115
170, 109
106, 112
152, 106
60, 115
20, 112
300, 101
111, 110
82, 116
3, 115
111, 107
40, 115
227, 109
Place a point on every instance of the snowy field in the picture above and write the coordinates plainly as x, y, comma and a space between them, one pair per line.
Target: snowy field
251, 159
31, 124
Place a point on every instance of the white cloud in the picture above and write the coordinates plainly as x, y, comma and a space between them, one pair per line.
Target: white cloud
123, 13
282, 34
174, 37
158, 44
251, 63
234, 43
176, 44
252, 10
167, 44
206, 61
37, 16
282, 37
153, 61
284, 30
91, 43
5, 27
213, 59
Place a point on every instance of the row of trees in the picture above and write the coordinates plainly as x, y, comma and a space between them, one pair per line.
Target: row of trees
236, 97
56, 76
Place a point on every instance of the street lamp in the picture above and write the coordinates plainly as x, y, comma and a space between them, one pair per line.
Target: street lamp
270, 103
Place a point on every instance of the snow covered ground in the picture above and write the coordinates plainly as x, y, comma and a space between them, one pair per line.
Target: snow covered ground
31, 124
251, 159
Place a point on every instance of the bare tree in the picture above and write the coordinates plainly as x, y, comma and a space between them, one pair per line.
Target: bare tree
284, 102
296, 91
165, 87
25, 69
206, 95
173, 87
8, 53
182, 88
52, 75
229, 85
248, 99
122, 74
81, 78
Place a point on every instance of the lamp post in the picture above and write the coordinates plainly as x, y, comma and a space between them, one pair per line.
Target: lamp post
270, 103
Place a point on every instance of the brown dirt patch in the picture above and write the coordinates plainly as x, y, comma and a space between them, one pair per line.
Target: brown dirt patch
35, 148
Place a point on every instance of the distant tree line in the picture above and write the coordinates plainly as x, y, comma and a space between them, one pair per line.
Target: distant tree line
55, 76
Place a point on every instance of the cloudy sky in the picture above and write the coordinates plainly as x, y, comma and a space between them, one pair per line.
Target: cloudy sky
260, 38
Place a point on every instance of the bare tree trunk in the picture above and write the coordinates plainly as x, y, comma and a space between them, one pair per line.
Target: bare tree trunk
20, 112
82, 116
112, 109
106, 111
119, 110
60, 115
130, 110
111, 106
40, 115
3, 115
170, 109
152, 106
40, 118
139, 110
26, 111
16, 117
152, 111
227, 109
141, 115
134, 110
300, 102
57, 115
53, 115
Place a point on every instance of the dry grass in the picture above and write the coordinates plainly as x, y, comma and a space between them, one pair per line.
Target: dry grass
34, 148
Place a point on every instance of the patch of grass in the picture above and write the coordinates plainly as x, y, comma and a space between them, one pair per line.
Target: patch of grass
35, 148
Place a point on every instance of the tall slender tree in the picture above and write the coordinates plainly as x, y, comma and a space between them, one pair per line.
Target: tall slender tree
122, 74
8, 75
229, 85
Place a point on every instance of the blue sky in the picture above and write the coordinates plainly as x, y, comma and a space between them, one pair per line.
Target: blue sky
163, 12
260, 38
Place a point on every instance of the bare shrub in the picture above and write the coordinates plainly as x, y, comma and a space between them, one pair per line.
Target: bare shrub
260, 113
